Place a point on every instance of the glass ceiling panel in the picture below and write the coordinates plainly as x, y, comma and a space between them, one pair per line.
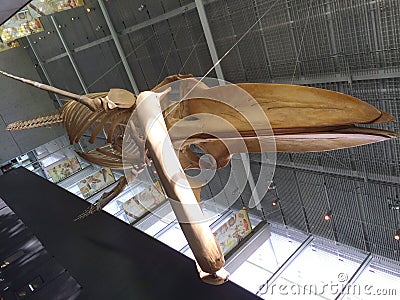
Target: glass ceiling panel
260, 266
174, 237
160, 223
314, 274
189, 253
374, 284
112, 208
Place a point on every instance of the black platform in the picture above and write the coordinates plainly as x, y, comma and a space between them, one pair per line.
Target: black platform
107, 257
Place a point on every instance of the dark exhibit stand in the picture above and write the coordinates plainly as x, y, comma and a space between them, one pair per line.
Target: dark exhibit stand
108, 258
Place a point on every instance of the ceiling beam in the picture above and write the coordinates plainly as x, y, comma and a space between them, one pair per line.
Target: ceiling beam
69, 54
119, 47
41, 65
255, 199
210, 41
168, 15
343, 173
339, 77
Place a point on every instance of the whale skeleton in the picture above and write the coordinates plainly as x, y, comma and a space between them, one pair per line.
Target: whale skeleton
300, 119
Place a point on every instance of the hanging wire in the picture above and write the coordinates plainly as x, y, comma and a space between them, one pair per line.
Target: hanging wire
170, 48
207, 73
234, 45
335, 159
119, 62
219, 61
301, 42
191, 52
196, 44
132, 52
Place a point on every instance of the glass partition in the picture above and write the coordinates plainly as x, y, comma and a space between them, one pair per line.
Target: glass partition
316, 273
373, 283
266, 260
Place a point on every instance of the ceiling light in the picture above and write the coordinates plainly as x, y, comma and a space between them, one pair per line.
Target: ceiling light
328, 215
88, 10
395, 205
275, 202
397, 235
141, 7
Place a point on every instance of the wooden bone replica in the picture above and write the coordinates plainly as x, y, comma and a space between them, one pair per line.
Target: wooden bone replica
303, 119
